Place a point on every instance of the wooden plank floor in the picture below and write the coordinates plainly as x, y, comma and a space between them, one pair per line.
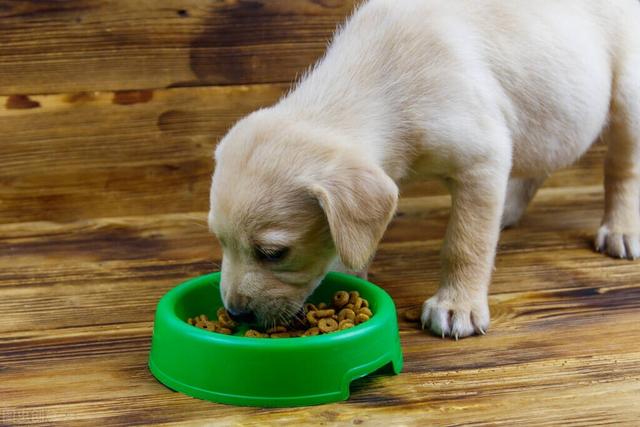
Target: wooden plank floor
77, 301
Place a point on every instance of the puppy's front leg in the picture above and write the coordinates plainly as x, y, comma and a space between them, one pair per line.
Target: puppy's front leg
460, 307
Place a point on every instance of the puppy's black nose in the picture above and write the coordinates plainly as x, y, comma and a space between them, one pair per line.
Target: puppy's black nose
242, 316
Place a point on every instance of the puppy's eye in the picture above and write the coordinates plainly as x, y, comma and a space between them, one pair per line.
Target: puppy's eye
270, 254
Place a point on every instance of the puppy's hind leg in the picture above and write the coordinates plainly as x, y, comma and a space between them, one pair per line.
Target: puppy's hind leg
520, 191
619, 234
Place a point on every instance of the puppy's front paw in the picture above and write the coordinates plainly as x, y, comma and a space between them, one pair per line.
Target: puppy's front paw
617, 244
448, 313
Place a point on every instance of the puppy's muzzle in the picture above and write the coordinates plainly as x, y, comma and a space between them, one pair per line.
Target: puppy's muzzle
241, 316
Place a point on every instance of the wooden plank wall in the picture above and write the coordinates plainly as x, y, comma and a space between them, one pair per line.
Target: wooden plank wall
86, 45
114, 108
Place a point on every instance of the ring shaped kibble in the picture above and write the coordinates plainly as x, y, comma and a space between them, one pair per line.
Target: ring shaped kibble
223, 330
345, 324
276, 329
312, 331
347, 309
353, 296
347, 313
361, 318
281, 335
340, 299
365, 310
325, 313
225, 320
312, 319
412, 315
327, 324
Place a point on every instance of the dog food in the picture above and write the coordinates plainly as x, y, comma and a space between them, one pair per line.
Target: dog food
347, 310
412, 315
327, 324
203, 322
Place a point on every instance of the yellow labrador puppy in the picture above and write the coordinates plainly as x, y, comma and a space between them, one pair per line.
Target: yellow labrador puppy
491, 96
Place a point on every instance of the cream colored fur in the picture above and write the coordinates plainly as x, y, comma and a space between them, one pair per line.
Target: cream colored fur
490, 96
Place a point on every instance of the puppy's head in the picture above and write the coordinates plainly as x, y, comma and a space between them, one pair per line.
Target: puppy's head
287, 200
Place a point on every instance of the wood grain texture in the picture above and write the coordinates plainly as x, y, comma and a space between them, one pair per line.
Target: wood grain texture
77, 301
88, 155
124, 45
105, 154
108, 120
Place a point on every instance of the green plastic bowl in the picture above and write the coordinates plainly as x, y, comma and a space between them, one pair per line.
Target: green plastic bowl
269, 372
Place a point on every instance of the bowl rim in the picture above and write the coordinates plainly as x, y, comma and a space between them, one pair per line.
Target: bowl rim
167, 304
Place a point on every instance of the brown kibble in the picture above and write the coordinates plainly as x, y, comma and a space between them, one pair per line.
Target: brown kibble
347, 310
281, 335
345, 324
340, 298
209, 325
347, 313
353, 296
252, 333
213, 325
226, 321
361, 318
365, 310
327, 325
277, 329
312, 332
412, 315
311, 318
223, 330
325, 313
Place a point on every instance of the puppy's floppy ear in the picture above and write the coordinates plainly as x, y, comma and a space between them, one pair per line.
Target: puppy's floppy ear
359, 202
